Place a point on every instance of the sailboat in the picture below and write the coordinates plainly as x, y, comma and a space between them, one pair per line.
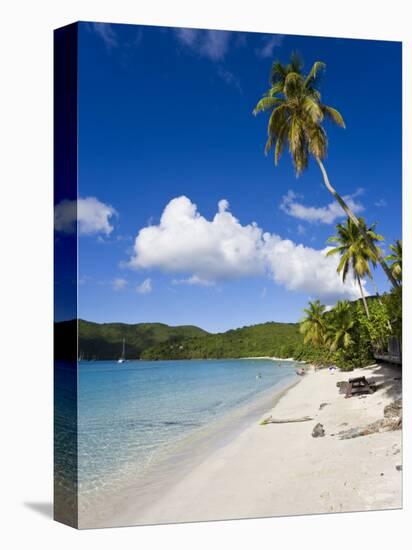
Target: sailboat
122, 358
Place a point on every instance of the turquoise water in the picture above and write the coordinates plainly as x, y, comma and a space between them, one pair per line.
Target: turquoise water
131, 414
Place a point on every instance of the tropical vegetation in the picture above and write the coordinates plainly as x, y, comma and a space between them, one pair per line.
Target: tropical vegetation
396, 259
313, 326
349, 334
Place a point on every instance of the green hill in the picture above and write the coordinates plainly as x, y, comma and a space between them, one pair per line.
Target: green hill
104, 341
159, 341
267, 339
156, 341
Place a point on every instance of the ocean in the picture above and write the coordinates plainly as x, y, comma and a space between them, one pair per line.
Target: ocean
138, 415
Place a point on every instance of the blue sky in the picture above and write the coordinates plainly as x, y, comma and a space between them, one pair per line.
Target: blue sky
166, 125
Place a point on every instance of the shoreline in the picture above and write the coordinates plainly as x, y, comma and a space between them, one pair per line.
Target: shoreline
245, 470
270, 358
280, 469
176, 460
132, 360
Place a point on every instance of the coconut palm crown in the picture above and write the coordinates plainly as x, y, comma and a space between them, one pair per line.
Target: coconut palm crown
297, 113
313, 325
356, 255
339, 326
396, 259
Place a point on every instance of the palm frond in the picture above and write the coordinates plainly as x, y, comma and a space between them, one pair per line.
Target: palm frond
333, 115
280, 143
265, 104
268, 145
278, 72
312, 108
295, 101
293, 85
296, 63
313, 74
318, 142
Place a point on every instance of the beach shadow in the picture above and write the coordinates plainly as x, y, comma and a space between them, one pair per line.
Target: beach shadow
389, 379
45, 509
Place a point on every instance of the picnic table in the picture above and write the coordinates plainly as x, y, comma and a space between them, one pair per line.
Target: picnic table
359, 385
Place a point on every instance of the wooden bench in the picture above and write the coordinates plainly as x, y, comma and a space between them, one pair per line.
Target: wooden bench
359, 385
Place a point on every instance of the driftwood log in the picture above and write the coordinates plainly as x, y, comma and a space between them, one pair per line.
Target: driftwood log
271, 420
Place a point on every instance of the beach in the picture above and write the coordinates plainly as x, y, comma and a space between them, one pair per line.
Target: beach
280, 469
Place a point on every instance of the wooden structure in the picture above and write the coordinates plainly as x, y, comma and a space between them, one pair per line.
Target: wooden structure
359, 385
392, 355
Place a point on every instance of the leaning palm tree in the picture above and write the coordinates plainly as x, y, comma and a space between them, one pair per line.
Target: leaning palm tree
338, 332
297, 117
396, 259
356, 255
313, 325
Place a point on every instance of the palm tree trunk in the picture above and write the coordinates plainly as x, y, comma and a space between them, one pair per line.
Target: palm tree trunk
365, 303
355, 220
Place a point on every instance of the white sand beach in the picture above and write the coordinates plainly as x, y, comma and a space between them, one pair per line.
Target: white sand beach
280, 469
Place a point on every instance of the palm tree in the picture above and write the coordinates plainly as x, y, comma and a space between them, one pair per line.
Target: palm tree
297, 116
313, 325
339, 326
396, 259
355, 253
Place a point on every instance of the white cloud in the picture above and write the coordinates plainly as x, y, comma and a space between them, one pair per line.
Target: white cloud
269, 44
381, 203
304, 269
206, 43
322, 214
193, 280
185, 242
145, 287
229, 78
222, 248
107, 34
93, 216
119, 283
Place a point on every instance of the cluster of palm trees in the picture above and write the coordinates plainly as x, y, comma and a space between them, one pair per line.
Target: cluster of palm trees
297, 115
331, 329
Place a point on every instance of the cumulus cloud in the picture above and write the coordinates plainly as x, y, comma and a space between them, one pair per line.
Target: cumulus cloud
119, 283
206, 251
186, 242
308, 270
145, 287
93, 217
269, 44
318, 214
205, 43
